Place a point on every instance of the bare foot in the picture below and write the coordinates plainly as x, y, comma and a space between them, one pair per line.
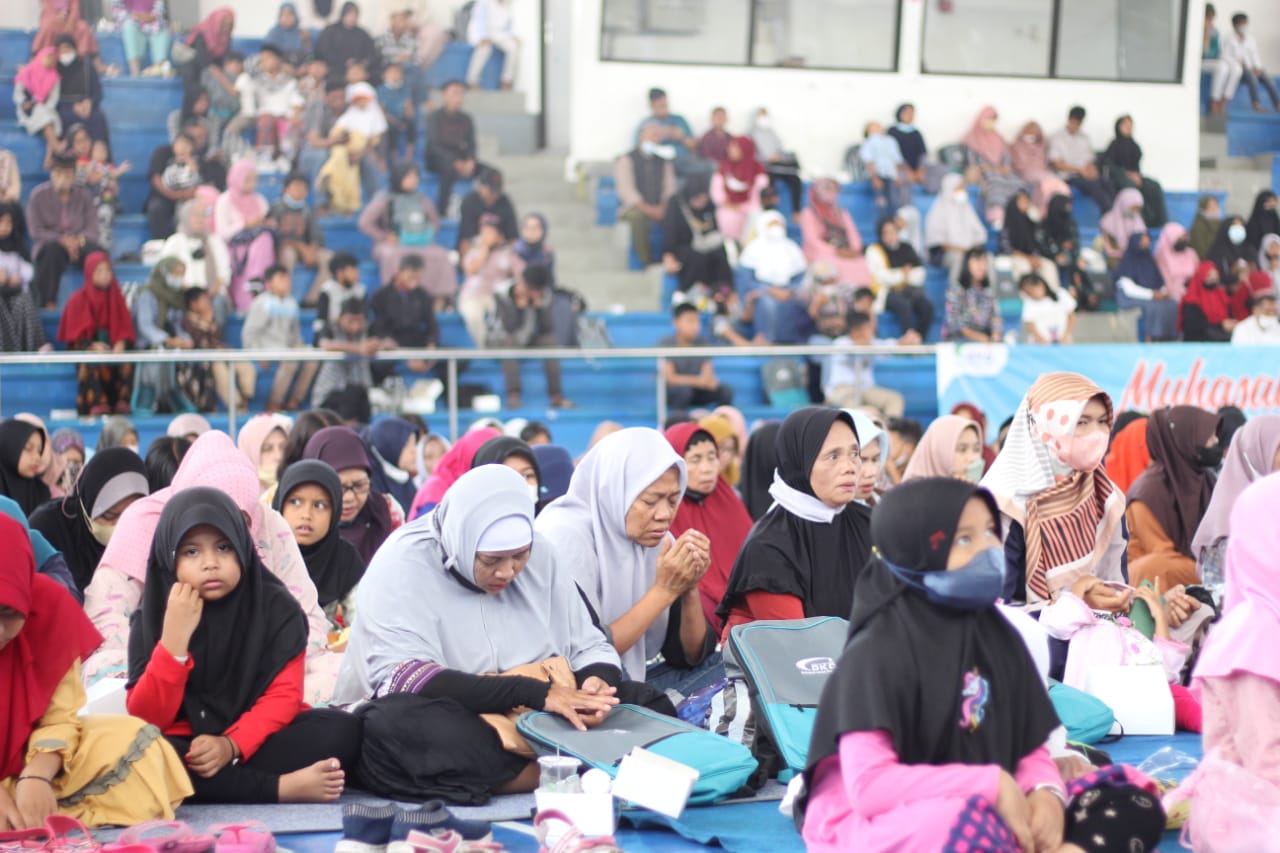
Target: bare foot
322, 782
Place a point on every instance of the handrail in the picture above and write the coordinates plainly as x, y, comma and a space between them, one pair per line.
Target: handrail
451, 356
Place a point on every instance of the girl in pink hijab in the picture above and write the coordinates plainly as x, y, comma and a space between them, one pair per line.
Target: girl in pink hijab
1122, 221
1031, 163
36, 88
951, 447
989, 154
1176, 259
240, 218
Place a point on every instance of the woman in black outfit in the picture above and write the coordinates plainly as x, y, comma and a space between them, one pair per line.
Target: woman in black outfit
1124, 156
693, 246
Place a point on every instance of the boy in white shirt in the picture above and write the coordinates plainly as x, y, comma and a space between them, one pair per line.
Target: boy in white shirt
1262, 327
1241, 60
1047, 317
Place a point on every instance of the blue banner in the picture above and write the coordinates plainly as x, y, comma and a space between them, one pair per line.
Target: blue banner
1143, 377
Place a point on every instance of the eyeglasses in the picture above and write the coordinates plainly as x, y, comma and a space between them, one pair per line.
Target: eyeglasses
356, 489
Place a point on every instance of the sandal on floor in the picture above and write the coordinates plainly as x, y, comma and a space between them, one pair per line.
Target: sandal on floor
249, 837
23, 840
572, 841
442, 842
165, 836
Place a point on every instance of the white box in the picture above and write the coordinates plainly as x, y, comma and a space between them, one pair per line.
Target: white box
1138, 695
654, 782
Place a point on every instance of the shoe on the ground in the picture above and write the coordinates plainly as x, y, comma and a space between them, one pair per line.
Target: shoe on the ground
366, 829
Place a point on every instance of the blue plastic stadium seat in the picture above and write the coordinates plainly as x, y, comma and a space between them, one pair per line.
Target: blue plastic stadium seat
1250, 133
655, 246
452, 65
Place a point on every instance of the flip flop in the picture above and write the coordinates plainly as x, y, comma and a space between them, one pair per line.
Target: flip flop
572, 841
250, 837
165, 836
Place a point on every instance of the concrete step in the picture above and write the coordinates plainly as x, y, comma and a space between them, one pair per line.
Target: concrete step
1241, 185
587, 258
490, 101
551, 189
1213, 124
487, 147
1212, 146
516, 132
1109, 328
609, 290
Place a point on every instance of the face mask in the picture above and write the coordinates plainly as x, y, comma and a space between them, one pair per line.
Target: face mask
1209, 457
975, 470
1211, 283
1180, 245
393, 86
1236, 234
266, 475
66, 58
1084, 453
960, 195
988, 124
293, 203
762, 121
535, 493
974, 586
175, 282
1266, 323
1029, 138
100, 531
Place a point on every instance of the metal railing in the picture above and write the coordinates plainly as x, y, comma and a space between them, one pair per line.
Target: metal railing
450, 357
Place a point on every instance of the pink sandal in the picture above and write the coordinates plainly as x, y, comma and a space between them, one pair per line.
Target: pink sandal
572, 841
250, 837
23, 840
163, 836
446, 842
63, 832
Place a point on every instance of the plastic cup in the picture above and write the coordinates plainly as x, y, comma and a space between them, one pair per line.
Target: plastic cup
559, 773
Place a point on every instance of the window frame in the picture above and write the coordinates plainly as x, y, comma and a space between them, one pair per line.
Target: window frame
1054, 25
751, 47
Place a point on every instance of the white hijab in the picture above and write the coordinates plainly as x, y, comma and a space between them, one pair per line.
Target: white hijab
952, 221
588, 528
368, 121
772, 256
417, 601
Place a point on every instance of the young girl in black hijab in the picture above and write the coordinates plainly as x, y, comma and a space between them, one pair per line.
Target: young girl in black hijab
931, 734
216, 662
21, 451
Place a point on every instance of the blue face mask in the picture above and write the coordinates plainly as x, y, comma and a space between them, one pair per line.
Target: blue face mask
976, 585
293, 203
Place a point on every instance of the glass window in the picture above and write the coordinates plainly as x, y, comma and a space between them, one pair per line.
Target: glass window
1120, 40
713, 32
860, 34
1002, 37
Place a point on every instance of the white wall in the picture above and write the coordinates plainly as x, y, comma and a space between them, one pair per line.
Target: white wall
818, 113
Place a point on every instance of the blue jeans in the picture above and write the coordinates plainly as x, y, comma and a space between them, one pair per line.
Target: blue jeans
1251, 80
136, 43
663, 676
781, 321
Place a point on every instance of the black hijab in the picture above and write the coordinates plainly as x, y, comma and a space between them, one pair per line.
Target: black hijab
1226, 254
815, 562
920, 672
16, 242
1123, 151
243, 641
1019, 230
338, 45
1059, 224
28, 492
1262, 221
65, 522
497, 449
900, 255
694, 186
758, 462
333, 563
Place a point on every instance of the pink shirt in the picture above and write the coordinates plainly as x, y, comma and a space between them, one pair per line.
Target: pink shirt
1242, 722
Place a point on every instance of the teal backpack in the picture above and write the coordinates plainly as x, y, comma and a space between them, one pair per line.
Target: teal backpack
723, 766
1087, 718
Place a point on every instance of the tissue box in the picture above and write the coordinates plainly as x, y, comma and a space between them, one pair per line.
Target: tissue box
1138, 695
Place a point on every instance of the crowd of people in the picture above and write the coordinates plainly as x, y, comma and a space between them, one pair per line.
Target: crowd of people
296, 611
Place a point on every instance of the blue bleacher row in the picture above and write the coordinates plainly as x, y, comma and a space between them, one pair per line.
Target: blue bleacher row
1248, 132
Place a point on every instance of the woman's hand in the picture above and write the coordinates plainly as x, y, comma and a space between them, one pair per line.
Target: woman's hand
1159, 610
1047, 815
1098, 596
681, 564
35, 801
580, 708
1180, 605
1013, 808
10, 817
181, 618
670, 264
209, 754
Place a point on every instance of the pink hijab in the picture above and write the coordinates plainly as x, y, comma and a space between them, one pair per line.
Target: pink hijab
255, 432
216, 41
986, 143
1030, 159
935, 457
1176, 268
35, 78
1117, 223
212, 461
455, 462
250, 205
1249, 459
1244, 640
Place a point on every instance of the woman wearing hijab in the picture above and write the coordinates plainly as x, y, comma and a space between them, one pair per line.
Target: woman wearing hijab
1209, 309
897, 277
158, 311
1255, 453
516, 455
1030, 159
888, 765
117, 431
1175, 259
51, 469
1140, 285
1122, 221
1128, 456
1231, 249
972, 312
344, 44
1264, 219
873, 441
286, 34
694, 246
758, 461
368, 516
912, 145
62, 17
1021, 238
728, 449
209, 42
117, 586
803, 556
777, 267
308, 499
97, 319
455, 462
143, 24
36, 89
392, 444
262, 440
21, 451
711, 505
1061, 236
1268, 260
443, 689
532, 246
1062, 516
1124, 157
216, 662
68, 452
951, 447
1170, 499
240, 219
204, 255
555, 466
989, 153
401, 220
736, 187
99, 770
979, 417
952, 226
828, 234
81, 524
612, 530
780, 164
80, 95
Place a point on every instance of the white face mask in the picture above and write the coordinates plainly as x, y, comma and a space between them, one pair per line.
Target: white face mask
960, 195
535, 493
974, 472
1267, 323
762, 121
66, 58
174, 281
1029, 138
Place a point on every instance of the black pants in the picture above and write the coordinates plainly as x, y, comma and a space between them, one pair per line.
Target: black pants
51, 262
912, 309
160, 214
788, 175
682, 398
312, 736
442, 166
708, 268
1097, 190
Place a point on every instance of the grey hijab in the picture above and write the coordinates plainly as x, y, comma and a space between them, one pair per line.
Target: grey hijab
417, 600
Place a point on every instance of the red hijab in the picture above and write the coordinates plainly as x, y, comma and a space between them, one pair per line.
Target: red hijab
741, 172
93, 308
721, 515
216, 39
57, 633
1129, 455
973, 413
455, 462
1216, 303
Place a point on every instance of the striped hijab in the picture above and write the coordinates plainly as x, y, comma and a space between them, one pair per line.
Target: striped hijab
1069, 518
